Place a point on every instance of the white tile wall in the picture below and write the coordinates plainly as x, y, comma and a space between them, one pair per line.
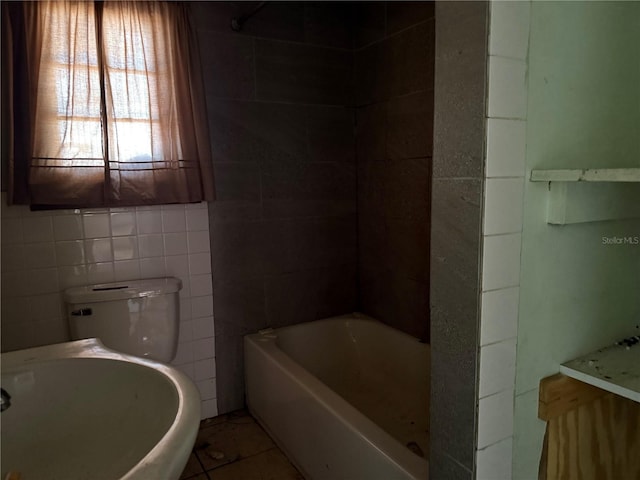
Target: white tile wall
45, 252
497, 367
507, 88
501, 261
494, 462
509, 34
500, 312
503, 205
495, 418
506, 147
502, 227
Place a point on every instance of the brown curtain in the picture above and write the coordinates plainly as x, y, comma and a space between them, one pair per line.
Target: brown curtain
110, 101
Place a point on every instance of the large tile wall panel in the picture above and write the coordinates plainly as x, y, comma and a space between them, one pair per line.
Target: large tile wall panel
458, 182
394, 143
283, 227
46, 252
302, 73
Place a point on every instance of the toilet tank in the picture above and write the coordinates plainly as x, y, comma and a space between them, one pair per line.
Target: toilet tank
138, 317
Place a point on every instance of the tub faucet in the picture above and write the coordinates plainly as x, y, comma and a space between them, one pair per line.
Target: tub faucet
5, 401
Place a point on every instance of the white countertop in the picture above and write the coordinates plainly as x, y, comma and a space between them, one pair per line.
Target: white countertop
615, 369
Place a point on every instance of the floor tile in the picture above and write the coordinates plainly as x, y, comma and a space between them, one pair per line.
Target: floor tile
192, 468
238, 437
269, 465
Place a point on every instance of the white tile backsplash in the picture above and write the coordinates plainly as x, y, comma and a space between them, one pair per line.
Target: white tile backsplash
184, 354
186, 331
43, 307
497, 367
201, 285
98, 250
507, 88
203, 368
41, 280
175, 243
126, 270
207, 389
45, 252
506, 147
123, 223
204, 348
101, 272
499, 315
152, 267
509, 29
72, 276
494, 462
70, 252
177, 266
12, 257
503, 205
203, 327
149, 221
125, 248
501, 261
495, 418
173, 221
11, 231
151, 245
201, 307
39, 255
197, 220
209, 409
68, 227
14, 283
198, 242
199, 263
96, 225
37, 229
505, 161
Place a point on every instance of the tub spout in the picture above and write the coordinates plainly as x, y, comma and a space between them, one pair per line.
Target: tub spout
5, 400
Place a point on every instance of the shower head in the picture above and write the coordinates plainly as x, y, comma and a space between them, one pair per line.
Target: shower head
238, 22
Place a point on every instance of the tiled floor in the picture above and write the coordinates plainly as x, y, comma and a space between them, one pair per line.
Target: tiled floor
235, 447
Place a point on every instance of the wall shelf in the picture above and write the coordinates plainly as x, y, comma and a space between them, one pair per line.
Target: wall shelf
615, 369
590, 194
587, 175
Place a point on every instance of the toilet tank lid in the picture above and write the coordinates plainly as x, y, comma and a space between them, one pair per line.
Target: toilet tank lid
106, 292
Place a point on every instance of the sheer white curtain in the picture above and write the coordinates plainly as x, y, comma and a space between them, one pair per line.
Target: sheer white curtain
117, 111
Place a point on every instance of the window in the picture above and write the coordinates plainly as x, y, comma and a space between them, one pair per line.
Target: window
116, 111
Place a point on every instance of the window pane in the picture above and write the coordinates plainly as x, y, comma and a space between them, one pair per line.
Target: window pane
130, 94
80, 139
68, 109
132, 141
128, 38
77, 92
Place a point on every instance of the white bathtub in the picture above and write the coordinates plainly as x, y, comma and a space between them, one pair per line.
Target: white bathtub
81, 411
343, 397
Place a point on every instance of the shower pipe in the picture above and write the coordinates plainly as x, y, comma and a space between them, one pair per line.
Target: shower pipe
238, 22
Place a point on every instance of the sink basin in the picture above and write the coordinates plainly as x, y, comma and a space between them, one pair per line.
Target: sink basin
81, 411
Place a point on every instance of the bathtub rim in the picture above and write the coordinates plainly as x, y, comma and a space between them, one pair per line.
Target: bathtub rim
365, 428
184, 426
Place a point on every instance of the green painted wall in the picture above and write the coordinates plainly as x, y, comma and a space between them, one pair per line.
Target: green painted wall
577, 294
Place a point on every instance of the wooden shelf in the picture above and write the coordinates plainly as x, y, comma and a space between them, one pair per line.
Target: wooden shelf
615, 369
587, 175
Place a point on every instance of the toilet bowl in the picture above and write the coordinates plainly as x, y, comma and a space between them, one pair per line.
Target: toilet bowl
138, 317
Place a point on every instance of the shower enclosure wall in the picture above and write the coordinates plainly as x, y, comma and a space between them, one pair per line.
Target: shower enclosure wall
321, 119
